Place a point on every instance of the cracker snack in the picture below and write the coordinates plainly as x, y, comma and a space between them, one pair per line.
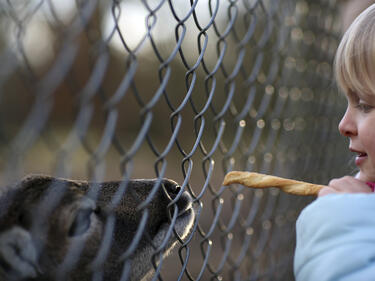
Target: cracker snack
257, 180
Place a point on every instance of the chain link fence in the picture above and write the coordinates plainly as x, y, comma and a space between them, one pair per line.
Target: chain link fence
115, 90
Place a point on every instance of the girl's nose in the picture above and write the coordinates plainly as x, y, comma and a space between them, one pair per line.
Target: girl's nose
347, 126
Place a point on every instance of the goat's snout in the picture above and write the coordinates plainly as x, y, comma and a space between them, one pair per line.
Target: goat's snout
171, 187
182, 199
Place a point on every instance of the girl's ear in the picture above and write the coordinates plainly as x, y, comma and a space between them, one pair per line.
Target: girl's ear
18, 255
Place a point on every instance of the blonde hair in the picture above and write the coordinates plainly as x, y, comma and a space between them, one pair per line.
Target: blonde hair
354, 64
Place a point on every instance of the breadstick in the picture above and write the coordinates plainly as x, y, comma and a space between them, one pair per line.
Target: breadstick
257, 180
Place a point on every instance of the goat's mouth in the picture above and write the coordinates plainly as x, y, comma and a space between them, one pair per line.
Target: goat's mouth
184, 204
180, 223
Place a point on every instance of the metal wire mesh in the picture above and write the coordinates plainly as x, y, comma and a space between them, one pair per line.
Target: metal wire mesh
114, 90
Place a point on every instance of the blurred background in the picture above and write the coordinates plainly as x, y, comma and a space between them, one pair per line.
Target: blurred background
188, 90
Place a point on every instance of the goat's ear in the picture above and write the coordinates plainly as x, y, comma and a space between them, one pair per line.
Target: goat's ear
83, 216
18, 255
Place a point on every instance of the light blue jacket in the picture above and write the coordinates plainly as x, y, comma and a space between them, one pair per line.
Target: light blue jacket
336, 239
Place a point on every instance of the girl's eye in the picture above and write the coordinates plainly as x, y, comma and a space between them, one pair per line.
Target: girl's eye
364, 107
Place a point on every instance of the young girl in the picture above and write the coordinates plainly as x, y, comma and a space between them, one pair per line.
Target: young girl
336, 233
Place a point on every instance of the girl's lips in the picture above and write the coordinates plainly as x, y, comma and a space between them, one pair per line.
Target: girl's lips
360, 158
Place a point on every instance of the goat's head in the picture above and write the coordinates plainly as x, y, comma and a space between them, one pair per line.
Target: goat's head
56, 228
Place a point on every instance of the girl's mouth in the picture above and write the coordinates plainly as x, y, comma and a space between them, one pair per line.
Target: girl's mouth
360, 158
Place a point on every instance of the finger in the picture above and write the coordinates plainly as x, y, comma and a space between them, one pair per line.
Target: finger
349, 184
327, 190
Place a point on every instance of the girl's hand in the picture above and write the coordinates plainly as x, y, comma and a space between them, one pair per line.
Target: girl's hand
345, 184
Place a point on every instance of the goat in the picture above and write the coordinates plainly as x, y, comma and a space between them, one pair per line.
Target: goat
44, 220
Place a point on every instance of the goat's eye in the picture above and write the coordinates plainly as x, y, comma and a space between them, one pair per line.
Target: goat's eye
98, 210
25, 219
81, 222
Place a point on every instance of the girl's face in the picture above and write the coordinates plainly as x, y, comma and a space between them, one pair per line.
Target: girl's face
358, 124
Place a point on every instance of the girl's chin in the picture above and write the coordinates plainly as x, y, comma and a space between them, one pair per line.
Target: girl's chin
362, 176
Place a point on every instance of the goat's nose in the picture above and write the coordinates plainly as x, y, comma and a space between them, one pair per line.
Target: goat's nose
184, 202
171, 187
